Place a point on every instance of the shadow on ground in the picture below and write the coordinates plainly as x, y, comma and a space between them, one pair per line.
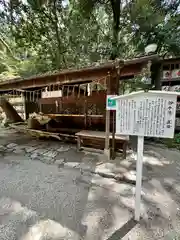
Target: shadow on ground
78, 207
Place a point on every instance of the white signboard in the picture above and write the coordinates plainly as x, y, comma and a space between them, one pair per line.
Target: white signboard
51, 94
110, 103
146, 114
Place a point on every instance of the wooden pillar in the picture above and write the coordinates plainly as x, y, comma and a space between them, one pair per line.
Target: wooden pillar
26, 97
106, 149
112, 89
113, 155
85, 114
157, 71
114, 86
30, 103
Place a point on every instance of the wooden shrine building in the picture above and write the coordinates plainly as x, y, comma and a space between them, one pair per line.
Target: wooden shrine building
76, 98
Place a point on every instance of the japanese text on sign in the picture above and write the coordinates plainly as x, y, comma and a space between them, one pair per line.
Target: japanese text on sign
146, 116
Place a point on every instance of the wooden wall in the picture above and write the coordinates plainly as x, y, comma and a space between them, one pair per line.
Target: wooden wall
84, 112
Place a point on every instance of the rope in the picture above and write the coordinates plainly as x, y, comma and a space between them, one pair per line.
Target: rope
51, 87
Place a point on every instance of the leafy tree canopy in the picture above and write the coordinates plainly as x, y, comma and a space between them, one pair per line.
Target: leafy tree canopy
46, 35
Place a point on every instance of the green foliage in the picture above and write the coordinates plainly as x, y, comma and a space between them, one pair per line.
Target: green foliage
156, 21
40, 36
173, 143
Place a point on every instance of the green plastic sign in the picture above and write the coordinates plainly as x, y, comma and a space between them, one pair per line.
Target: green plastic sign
111, 103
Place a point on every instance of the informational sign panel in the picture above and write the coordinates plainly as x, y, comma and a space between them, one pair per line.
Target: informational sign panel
110, 103
146, 114
51, 94
142, 114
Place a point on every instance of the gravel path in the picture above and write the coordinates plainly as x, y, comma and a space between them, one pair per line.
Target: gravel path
48, 191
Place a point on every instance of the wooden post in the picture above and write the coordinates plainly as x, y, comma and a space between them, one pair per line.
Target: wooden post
57, 106
39, 96
114, 86
107, 129
85, 114
113, 136
78, 143
156, 74
106, 149
26, 106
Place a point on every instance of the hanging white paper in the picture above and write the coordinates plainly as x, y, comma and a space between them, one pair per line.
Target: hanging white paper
51, 94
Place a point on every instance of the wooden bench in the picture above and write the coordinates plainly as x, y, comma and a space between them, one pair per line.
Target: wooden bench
97, 139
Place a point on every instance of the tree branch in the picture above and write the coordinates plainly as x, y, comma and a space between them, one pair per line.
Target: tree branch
8, 48
55, 23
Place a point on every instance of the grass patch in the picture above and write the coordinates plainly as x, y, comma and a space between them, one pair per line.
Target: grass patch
172, 142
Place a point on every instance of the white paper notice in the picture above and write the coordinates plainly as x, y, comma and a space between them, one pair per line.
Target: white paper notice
51, 94
146, 116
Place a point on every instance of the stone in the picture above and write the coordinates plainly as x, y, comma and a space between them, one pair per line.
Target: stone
30, 149
60, 162
63, 149
126, 163
8, 150
120, 170
50, 154
105, 171
40, 150
18, 151
34, 156
72, 164
119, 177
104, 168
131, 176
20, 147
47, 160
2, 148
12, 145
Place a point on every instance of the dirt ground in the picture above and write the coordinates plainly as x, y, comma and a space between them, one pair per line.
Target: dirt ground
51, 191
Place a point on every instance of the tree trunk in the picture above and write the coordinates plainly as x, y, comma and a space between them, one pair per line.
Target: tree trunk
116, 8
9, 110
55, 22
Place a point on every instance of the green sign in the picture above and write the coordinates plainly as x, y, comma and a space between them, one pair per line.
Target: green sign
111, 103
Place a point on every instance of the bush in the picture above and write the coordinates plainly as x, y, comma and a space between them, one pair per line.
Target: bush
174, 142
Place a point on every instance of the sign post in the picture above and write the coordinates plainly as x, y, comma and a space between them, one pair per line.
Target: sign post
110, 105
150, 114
110, 102
139, 168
